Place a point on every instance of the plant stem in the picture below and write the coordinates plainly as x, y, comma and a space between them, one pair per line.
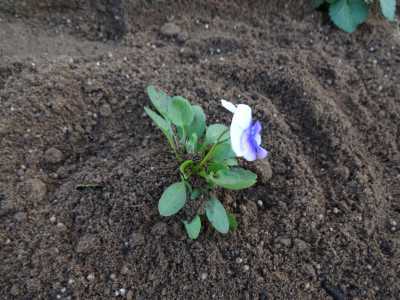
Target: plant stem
210, 152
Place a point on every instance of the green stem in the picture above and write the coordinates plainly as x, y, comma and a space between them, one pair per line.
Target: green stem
210, 152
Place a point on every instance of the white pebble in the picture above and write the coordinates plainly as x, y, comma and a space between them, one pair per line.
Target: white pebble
53, 219
63, 290
246, 268
90, 277
260, 203
239, 260
203, 276
122, 291
206, 26
113, 276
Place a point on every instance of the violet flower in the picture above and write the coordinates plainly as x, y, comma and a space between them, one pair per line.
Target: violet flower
245, 134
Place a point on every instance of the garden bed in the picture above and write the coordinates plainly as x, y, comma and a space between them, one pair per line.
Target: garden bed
82, 167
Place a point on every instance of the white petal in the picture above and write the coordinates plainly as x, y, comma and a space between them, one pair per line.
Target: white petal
236, 138
242, 116
241, 121
228, 105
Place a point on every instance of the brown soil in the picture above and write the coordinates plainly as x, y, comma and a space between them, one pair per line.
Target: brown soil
72, 79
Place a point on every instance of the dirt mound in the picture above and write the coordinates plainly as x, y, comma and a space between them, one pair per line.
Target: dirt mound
82, 167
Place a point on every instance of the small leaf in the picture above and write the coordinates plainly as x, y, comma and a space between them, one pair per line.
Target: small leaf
159, 99
388, 8
173, 199
233, 224
214, 167
223, 152
180, 111
234, 178
231, 162
217, 216
216, 133
191, 144
348, 14
160, 122
193, 228
198, 125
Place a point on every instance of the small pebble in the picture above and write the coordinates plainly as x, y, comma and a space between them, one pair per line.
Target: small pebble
53, 219
260, 203
246, 268
122, 291
336, 210
203, 276
113, 276
63, 290
239, 260
90, 277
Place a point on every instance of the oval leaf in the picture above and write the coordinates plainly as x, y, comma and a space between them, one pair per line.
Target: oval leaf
173, 199
223, 152
159, 99
198, 125
216, 133
217, 215
193, 228
347, 15
160, 122
388, 8
234, 178
180, 111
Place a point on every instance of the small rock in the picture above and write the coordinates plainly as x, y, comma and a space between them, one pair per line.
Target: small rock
260, 203
239, 260
87, 243
203, 276
182, 37
14, 290
300, 245
170, 29
20, 216
263, 168
284, 241
246, 268
129, 295
53, 219
122, 291
35, 189
113, 276
61, 227
105, 110
90, 277
336, 210
136, 239
53, 156
159, 229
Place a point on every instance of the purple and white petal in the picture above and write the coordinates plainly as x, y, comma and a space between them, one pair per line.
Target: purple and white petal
248, 146
261, 153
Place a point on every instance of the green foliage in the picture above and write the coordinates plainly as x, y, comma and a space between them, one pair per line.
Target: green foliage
173, 199
388, 8
193, 228
234, 179
349, 14
204, 155
217, 215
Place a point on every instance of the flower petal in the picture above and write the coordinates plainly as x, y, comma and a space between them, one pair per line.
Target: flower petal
257, 138
228, 105
240, 127
256, 128
261, 153
248, 146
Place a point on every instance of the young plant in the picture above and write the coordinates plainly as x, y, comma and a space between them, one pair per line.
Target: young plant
349, 14
207, 157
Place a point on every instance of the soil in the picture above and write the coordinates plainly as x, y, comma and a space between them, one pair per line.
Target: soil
82, 167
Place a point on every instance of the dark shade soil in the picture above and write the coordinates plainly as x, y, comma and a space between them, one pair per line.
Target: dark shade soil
82, 167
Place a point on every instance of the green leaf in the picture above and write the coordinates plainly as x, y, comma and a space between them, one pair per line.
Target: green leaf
234, 178
231, 162
159, 99
198, 125
233, 224
388, 8
191, 144
317, 3
216, 133
193, 228
217, 216
348, 14
180, 111
223, 152
214, 167
173, 199
160, 122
